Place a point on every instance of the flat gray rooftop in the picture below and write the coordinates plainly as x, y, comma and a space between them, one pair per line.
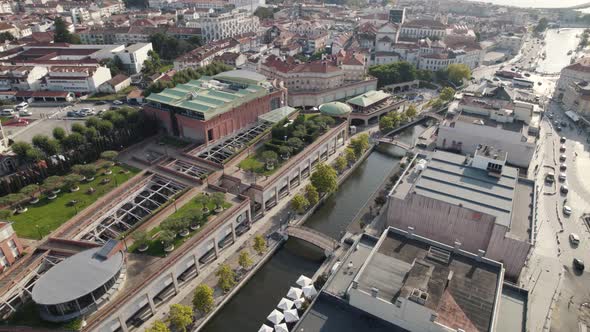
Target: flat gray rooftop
448, 178
401, 265
332, 315
75, 277
344, 275
513, 308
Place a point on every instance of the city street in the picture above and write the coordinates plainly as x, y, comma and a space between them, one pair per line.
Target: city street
557, 290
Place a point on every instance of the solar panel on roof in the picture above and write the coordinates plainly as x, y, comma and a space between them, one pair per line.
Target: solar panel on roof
107, 248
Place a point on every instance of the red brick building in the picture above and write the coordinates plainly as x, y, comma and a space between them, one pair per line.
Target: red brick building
207, 109
10, 246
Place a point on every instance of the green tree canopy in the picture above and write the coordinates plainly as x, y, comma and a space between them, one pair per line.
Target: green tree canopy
259, 244
158, 326
340, 164
447, 93
299, 203
458, 72
226, 277
244, 259
203, 300
180, 316
59, 133
324, 178
311, 194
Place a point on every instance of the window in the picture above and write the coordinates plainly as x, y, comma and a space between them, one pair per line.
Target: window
3, 259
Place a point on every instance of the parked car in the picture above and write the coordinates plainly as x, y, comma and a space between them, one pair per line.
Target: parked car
562, 167
578, 264
22, 105
558, 128
562, 176
117, 102
562, 139
564, 189
549, 177
25, 112
574, 239
562, 157
7, 112
100, 102
567, 210
87, 111
562, 148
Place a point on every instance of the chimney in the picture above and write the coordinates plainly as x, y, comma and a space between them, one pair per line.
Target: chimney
374, 292
410, 232
480, 254
457, 246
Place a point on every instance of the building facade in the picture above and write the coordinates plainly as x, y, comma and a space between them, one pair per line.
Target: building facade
10, 247
222, 25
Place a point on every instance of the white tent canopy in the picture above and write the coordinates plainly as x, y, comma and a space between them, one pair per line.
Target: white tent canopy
309, 291
291, 316
275, 316
304, 281
265, 328
294, 293
285, 304
299, 303
281, 328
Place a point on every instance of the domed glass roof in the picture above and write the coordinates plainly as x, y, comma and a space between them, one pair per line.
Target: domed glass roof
335, 108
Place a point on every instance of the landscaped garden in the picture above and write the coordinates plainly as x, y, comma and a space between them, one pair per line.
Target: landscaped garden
40, 209
180, 226
288, 139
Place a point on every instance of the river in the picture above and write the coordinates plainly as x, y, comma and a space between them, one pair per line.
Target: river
248, 309
557, 44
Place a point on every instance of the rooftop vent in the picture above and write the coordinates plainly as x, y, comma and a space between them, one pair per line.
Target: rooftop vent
419, 296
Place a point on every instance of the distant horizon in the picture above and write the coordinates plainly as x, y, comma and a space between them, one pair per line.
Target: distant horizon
536, 3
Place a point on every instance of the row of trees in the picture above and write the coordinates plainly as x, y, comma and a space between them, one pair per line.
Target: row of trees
402, 71
181, 316
169, 47
186, 75
394, 118
56, 155
324, 179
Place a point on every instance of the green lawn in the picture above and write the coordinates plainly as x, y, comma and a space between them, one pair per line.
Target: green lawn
157, 249
254, 163
166, 68
110, 97
50, 214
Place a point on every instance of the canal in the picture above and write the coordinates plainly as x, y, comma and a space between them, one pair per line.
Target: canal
248, 309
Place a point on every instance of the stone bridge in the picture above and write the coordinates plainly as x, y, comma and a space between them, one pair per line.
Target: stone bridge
314, 237
394, 142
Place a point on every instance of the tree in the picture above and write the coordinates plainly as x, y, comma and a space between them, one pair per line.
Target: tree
5, 214
259, 244
325, 178
269, 158
360, 144
59, 133
340, 164
350, 155
49, 146
70, 181
203, 300
181, 316
447, 94
385, 124
411, 111
299, 203
158, 326
78, 128
31, 190
52, 183
87, 171
312, 195
437, 103
12, 199
109, 155
541, 25
167, 238
264, 13
61, 33
140, 238
73, 141
244, 259
4, 36
458, 72
295, 142
104, 127
34, 154
226, 277
392, 73
21, 149
218, 199
115, 65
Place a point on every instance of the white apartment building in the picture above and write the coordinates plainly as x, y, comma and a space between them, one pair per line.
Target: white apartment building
215, 26
79, 79
134, 56
21, 78
423, 28
6, 7
508, 126
79, 15
577, 72
513, 43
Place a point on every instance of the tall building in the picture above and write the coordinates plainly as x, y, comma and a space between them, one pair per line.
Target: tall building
221, 25
397, 15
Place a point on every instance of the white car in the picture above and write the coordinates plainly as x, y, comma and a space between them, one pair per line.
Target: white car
567, 210
562, 176
117, 102
7, 112
25, 112
574, 239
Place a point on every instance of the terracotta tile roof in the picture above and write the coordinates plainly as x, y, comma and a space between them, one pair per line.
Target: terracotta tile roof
118, 79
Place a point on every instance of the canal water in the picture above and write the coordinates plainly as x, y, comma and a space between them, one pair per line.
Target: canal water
557, 45
248, 309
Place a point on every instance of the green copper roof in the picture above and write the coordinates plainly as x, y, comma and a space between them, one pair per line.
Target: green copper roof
335, 108
208, 97
368, 98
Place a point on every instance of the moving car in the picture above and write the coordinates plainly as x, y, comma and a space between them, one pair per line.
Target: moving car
562, 139
574, 239
567, 210
578, 264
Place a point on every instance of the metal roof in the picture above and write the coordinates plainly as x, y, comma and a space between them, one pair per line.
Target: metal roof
368, 98
209, 97
278, 114
75, 277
